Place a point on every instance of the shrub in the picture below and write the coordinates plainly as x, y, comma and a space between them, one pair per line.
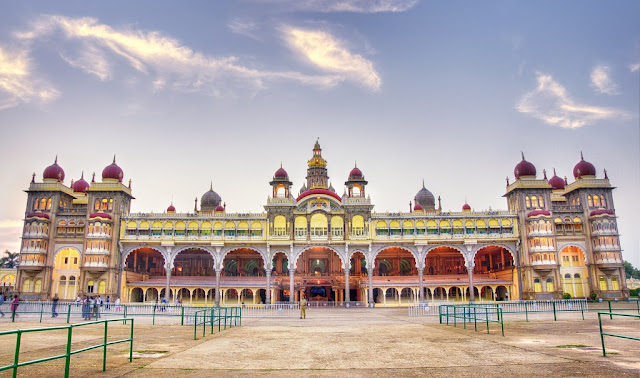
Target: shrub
634, 293
566, 296
593, 296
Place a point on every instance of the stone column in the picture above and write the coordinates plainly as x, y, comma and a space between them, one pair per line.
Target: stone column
292, 294
217, 293
420, 285
372, 300
167, 286
268, 291
471, 294
347, 297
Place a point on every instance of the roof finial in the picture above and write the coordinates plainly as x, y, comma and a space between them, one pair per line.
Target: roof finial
211, 187
544, 173
93, 178
439, 204
554, 172
82, 175
522, 153
114, 158
172, 200
581, 157
507, 180
410, 208
280, 166
33, 177
129, 183
605, 174
195, 208
423, 184
56, 161
565, 180
355, 165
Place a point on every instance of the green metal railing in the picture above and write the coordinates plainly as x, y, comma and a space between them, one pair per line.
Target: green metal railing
67, 355
603, 334
223, 317
472, 313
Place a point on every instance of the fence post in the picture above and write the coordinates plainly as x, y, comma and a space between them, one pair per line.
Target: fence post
610, 316
240, 317
104, 351
455, 318
131, 342
153, 316
501, 321
554, 311
486, 316
219, 317
67, 361
464, 316
124, 308
582, 309
182, 316
604, 353
41, 311
68, 313
440, 313
638, 305
195, 325
526, 310
17, 354
475, 318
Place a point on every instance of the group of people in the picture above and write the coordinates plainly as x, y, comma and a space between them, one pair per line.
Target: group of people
14, 304
91, 305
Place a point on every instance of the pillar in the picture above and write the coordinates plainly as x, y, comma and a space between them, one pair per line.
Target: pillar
217, 293
471, 294
420, 285
372, 300
347, 297
291, 288
167, 286
268, 291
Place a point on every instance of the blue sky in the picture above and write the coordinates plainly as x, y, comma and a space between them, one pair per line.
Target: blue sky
449, 92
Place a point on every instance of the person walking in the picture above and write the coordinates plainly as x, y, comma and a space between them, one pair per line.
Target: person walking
108, 307
54, 306
14, 306
1, 303
117, 303
303, 307
85, 308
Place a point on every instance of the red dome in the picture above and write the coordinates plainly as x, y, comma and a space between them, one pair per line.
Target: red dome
583, 168
556, 182
220, 208
600, 212
53, 172
536, 213
355, 173
38, 215
524, 168
466, 207
100, 215
417, 207
319, 191
281, 174
112, 172
171, 209
81, 185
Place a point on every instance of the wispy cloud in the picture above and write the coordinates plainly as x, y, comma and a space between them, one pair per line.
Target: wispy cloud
329, 54
354, 6
634, 67
245, 28
166, 61
18, 84
551, 103
601, 80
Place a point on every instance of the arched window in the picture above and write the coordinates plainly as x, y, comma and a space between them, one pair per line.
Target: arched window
596, 201
35, 204
568, 275
615, 285
280, 225
527, 201
26, 285
102, 287
97, 205
537, 286
37, 287
103, 204
49, 204
603, 201
589, 201
90, 286
541, 201
534, 201
110, 203
357, 225
550, 286
577, 275
603, 283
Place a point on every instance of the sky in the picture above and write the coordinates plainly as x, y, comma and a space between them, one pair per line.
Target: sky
189, 93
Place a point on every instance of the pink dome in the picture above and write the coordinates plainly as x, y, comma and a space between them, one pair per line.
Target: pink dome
220, 208
466, 207
53, 172
171, 209
355, 173
281, 174
524, 168
417, 207
80, 186
100, 215
583, 168
38, 214
556, 182
112, 172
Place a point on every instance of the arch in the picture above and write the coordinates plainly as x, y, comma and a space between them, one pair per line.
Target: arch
128, 251
357, 225
198, 247
452, 260
506, 247
414, 253
337, 222
146, 263
228, 250
194, 263
296, 255
280, 225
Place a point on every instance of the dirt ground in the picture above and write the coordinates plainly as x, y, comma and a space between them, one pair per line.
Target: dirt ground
344, 342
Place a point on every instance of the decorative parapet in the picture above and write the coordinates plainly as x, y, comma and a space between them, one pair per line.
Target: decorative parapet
588, 183
50, 187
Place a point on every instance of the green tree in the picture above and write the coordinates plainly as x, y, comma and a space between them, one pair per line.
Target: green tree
630, 271
10, 259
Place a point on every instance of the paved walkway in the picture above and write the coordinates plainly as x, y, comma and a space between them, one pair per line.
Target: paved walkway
361, 343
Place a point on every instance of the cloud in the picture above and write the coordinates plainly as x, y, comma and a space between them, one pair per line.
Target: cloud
17, 82
328, 54
353, 6
634, 67
167, 62
601, 80
245, 28
551, 103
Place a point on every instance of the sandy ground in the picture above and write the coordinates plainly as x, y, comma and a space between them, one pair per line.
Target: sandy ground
344, 342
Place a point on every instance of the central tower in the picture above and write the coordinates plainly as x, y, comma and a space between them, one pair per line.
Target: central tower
317, 172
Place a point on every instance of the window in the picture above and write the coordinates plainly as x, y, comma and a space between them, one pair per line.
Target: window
603, 283
596, 201
97, 205
537, 286
90, 286
589, 201
615, 285
49, 204
550, 286
527, 202
110, 203
35, 204
603, 201
103, 204
534, 201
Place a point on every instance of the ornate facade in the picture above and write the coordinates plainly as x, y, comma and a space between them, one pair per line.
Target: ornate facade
555, 238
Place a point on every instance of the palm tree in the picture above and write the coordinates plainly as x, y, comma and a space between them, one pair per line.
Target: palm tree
10, 260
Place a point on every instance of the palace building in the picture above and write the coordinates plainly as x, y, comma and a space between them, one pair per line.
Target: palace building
555, 237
